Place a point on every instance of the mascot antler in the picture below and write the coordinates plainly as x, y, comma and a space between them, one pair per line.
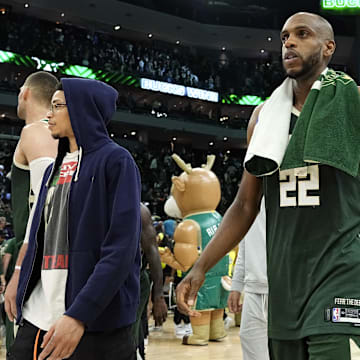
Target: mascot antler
186, 167
210, 162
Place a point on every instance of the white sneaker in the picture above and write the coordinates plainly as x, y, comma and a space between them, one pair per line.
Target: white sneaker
228, 322
153, 328
179, 331
188, 329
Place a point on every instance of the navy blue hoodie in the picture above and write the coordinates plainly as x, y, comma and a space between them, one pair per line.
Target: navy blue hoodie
104, 228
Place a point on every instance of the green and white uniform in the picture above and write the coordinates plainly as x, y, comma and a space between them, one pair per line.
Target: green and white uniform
22, 199
211, 295
313, 250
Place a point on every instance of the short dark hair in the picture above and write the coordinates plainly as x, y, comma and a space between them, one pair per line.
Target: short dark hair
43, 85
59, 87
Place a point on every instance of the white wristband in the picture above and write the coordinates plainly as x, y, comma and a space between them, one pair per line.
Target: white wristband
17, 267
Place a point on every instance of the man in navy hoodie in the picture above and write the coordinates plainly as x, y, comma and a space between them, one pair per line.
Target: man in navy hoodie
79, 283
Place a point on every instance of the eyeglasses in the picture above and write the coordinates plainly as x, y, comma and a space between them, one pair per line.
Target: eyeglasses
56, 107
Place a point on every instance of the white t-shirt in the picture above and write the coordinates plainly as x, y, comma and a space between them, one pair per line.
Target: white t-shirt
46, 303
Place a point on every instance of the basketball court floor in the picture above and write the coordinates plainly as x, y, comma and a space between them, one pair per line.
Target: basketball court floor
163, 345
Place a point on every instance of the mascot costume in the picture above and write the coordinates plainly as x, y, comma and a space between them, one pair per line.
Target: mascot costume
195, 195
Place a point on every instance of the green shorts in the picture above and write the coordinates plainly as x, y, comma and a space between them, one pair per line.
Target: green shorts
315, 347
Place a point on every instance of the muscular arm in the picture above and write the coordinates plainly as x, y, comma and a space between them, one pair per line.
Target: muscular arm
11, 290
236, 223
6, 261
149, 246
238, 218
36, 142
234, 226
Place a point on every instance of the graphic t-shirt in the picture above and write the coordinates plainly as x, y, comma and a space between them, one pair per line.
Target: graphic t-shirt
47, 301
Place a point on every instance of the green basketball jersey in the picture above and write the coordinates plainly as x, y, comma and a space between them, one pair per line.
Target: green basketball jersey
20, 198
313, 250
211, 295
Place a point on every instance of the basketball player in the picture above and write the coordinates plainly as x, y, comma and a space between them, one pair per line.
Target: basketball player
313, 249
35, 150
150, 256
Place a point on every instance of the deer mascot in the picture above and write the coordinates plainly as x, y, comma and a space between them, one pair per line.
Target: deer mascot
197, 194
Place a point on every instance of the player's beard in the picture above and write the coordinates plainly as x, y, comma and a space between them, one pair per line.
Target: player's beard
309, 66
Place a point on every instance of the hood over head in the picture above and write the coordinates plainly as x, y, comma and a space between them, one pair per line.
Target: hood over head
91, 105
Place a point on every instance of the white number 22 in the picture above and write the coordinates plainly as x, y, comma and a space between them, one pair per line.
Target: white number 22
300, 181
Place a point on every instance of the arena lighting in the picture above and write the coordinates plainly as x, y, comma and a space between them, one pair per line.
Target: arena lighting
117, 77
26, 5
177, 42
47, 66
242, 100
150, 36
225, 138
6, 56
163, 87
133, 133
201, 94
269, 38
80, 71
117, 27
341, 6
179, 90
211, 143
174, 138
62, 14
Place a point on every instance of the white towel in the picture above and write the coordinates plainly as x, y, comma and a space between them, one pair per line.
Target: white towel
271, 133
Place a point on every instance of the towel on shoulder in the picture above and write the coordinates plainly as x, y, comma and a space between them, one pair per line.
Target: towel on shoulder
327, 131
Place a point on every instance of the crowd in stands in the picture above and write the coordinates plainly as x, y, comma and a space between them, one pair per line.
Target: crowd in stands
156, 104
6, 151
157, 167
175, 64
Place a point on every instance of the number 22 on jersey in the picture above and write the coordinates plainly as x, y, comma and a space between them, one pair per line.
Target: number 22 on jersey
295, 185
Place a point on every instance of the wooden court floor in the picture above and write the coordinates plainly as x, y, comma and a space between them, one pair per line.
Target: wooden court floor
163, 346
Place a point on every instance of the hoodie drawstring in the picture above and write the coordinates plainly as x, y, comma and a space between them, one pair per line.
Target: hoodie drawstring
79, 163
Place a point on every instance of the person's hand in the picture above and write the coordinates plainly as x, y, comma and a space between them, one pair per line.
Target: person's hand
10, 296
187, 290
159, 311
234, 304
62, 339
